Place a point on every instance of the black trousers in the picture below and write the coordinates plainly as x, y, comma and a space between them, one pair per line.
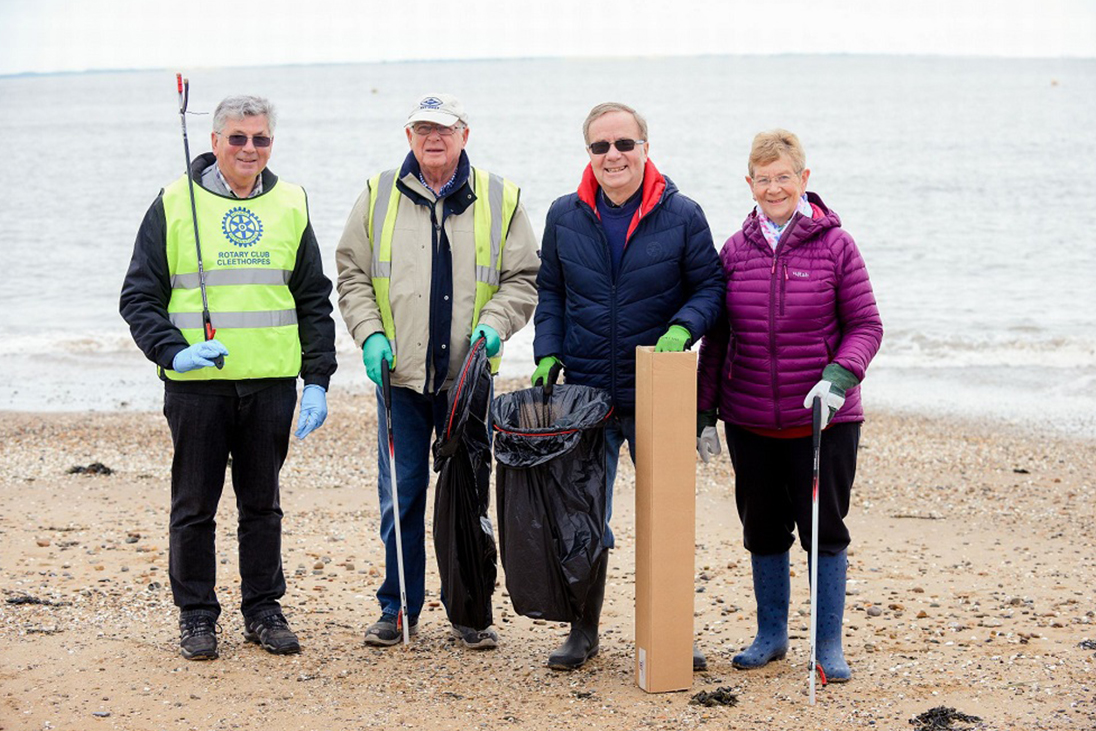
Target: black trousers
206, 429
773, 479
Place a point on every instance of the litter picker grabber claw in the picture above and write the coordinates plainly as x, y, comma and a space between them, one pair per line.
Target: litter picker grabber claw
207, 324
816, 440
386, 388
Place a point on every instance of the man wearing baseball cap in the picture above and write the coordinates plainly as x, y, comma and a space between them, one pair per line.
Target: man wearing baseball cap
435, 255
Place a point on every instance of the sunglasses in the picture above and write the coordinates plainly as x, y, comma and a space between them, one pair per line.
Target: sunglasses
257, 140
601, 146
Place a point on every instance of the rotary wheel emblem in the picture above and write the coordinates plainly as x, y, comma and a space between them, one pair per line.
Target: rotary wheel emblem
242, 227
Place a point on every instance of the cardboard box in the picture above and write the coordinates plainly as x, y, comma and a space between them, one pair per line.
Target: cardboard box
665, 518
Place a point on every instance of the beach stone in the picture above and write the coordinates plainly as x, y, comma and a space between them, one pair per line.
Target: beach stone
43, 542
874, 611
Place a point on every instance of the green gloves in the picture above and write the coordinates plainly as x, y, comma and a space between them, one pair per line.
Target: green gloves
375, 348
492, 337
544, 369
675, 340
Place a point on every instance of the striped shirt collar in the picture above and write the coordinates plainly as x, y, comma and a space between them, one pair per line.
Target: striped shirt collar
216, 183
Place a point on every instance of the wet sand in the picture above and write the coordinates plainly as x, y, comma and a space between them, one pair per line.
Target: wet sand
971, 585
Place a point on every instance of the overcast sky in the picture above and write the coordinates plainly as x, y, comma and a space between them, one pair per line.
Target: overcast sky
76, 35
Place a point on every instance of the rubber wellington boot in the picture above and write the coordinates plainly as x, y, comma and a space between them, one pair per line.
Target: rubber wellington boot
772, 590
832, 571
582, 643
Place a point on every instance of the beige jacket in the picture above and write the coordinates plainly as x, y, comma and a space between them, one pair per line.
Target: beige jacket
409, 292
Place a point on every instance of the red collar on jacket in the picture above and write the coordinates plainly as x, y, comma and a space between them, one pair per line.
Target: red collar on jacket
654, 185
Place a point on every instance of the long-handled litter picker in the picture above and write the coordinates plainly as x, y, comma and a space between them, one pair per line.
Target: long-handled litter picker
816, 439
207, 324
386, 387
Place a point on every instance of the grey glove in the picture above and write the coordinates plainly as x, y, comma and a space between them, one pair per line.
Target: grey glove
707, 436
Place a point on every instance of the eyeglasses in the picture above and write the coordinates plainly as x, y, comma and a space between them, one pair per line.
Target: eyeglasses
257, 140
424, 129
602, 146
780, 180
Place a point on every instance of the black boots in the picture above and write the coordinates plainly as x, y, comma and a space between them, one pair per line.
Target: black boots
582, 643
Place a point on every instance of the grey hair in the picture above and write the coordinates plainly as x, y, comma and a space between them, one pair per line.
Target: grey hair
238, 107
605, 108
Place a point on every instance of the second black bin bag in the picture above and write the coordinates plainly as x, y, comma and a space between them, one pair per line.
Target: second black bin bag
550, 495
464, 541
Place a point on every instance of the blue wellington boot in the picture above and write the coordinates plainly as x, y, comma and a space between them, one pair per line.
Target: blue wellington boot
832, 571
772, 590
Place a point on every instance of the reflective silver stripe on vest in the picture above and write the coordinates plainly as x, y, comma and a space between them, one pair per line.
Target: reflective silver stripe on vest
487, 275
226, 277
494, 198
230, 320
380, 212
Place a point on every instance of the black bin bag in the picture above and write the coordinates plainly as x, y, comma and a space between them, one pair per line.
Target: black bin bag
550, 495
464, 540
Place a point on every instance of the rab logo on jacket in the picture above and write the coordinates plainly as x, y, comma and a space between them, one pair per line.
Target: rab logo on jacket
242, 227
799, 274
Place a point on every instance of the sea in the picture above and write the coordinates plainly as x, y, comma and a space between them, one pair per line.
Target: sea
964, 181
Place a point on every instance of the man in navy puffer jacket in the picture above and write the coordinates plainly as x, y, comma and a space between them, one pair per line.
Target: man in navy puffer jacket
626, 260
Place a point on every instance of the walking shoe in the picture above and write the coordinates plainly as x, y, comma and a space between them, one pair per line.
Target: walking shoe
273, 633
198, 637
700, 663
385, 633
476, 639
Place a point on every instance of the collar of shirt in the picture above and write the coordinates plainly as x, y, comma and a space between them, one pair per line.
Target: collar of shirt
216, 183
445, 189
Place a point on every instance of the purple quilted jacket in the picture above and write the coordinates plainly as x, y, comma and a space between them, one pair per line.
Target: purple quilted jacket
787, 315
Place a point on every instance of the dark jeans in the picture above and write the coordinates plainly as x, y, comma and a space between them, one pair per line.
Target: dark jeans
418, 418
206, 429
772, 487
620, 429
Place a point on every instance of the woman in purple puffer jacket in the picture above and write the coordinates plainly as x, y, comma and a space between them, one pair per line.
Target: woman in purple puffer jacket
799, 321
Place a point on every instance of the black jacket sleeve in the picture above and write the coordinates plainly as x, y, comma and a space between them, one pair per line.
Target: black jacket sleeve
311, 290
146, 292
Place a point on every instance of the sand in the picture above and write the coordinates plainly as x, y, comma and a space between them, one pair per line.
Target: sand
971, 586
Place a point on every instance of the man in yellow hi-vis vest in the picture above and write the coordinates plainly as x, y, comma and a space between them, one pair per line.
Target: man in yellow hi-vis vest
434, 256
232, 395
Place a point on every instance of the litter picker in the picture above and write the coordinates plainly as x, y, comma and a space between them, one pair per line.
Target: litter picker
207, 324
816, 439
386, 387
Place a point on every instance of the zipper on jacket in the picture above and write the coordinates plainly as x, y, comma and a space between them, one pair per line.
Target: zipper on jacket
773, 370
784, 288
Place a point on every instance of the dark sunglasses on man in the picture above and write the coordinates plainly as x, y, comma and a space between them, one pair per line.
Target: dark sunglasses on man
602, 146
257, 140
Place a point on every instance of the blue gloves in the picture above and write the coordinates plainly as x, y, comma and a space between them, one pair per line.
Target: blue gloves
493, 342
375, 348
198, 355
313, 410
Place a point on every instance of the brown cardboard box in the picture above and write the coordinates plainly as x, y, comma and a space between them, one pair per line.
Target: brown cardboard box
665, 518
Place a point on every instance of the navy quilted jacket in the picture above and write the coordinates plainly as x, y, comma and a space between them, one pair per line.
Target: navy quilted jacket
788, 315
669, 275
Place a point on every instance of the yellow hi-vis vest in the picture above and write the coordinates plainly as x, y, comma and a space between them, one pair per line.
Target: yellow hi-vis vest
249, 249
492, 213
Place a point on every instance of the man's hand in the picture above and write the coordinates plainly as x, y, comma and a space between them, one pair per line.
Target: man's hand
543, 372
375, 349
198, 355
313, 410
491, 335
675, 340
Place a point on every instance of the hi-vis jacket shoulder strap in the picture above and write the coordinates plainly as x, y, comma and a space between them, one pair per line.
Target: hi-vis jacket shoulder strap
493, 210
